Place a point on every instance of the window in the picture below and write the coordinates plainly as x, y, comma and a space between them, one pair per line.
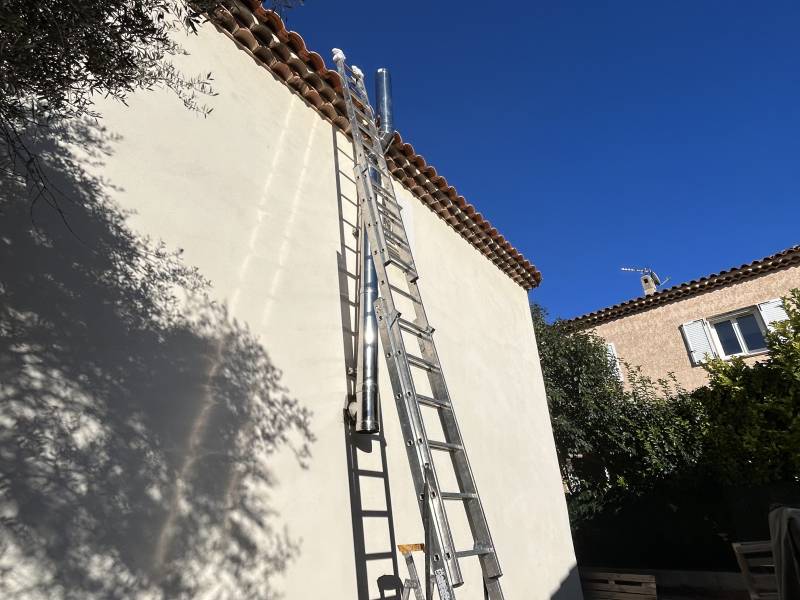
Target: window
613, 359
739, 333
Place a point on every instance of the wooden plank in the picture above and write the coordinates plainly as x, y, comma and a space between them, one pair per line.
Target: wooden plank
607, 585
591, 574
612, 587
616, 596
754, 547
618, 584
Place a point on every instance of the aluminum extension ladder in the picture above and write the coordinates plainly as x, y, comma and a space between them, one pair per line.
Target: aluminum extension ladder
397, 276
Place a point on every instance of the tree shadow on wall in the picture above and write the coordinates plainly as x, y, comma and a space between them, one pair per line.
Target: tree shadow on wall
136, 417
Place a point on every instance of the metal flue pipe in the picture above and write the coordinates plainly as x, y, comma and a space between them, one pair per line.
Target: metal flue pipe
383, 94
366, 409
367, 405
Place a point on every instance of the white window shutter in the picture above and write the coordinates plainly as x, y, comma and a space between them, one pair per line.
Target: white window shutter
611, 351
772, 311
698, 342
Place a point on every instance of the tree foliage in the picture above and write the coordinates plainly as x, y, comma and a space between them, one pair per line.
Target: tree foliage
612, 440
754, 411
56, 58
618, 442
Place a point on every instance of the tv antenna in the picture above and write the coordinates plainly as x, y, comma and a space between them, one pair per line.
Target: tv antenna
651, 282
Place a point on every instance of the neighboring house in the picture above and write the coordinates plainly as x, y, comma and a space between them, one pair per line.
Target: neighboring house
260, 196
725, 314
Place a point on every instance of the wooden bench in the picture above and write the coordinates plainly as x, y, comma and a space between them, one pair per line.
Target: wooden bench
758, 567
604, 585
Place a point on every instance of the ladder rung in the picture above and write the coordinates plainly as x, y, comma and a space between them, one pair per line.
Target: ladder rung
378, 189
434, 402
356, 95
377, 168
354, 87
412, 327
364, 115
474, 552
361, 101
404, 293
446, 446
391, 209
399, 253
393, 205
397, 248
395, 238
386, 193
404, 266
421, 363
389, 215
375, 159
370, 473
379, 556
458, 496
368, 131
374, 513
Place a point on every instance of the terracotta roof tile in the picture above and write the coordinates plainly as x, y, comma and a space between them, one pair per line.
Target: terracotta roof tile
264, 36
773, 262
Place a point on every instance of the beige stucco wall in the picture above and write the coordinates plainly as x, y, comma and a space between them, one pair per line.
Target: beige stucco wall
260, 197
653, 340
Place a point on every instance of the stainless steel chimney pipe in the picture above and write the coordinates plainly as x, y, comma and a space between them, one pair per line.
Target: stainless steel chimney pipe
383, 93
367, 404
366, 409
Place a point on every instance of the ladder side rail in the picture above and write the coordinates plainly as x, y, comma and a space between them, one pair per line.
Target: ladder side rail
402, 380
461, 466
476, 520
463, 471
394, 347
399, 372
376, 195
443, 548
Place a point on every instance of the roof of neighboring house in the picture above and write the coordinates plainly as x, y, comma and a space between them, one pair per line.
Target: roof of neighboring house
773, 262
262, 34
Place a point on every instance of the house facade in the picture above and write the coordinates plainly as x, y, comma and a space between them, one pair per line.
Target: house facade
723, 315
201, 450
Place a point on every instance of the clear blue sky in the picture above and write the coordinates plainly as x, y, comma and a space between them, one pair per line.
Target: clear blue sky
596, 135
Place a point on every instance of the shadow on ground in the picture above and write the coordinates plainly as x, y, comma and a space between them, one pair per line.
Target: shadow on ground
137, 418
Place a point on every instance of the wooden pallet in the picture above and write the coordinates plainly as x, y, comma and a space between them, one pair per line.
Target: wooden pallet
758, 567
603, 585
